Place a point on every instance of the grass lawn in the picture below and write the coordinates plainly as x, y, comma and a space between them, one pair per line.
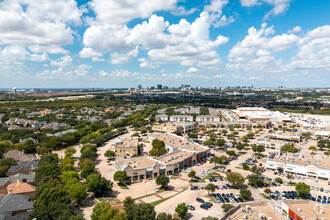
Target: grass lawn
238, 167
122, 186
175, 177
210, 198
292, 184
264, 196
163, 200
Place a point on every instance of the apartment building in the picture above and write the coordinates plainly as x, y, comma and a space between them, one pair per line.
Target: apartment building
161, 117
182, 154
127, 147
181, 118
174, 126
309, 167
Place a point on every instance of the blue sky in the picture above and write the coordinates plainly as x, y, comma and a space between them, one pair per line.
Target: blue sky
112, 44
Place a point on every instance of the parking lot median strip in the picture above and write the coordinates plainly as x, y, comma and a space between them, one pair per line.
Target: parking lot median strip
155, 203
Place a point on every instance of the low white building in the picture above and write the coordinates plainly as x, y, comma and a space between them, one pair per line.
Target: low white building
300, 166
181, 118
161, 117
207, 118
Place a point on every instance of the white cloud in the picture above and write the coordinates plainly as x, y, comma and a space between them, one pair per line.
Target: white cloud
122, 58
189, 44
313, 50
224, 21
123, 11
180, 11
109, 37
192, 70
295, 30
65, 61
41, 22
280, 6
20, 53
150, 34
47, 49
254, 53
119, 74
65, 73
146, 63
87, 52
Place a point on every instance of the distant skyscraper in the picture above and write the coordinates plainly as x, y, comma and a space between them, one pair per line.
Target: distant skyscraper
159, 86
139, 86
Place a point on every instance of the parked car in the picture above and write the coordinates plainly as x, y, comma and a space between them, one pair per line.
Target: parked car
190, 207
156, 189
200, 200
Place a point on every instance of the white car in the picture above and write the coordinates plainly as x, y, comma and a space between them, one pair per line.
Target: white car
236, 195
326, 190
156, 189
312, 187
317, 188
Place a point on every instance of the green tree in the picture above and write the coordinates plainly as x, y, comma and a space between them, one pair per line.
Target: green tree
209, 218
29, 147
98, 185
162, 180
220, 142
192, 174
246, 167
289, 148
258, 148
227, 207
254, 179
312, 148
77, 192
109, 154
302, 189
46, 172
267, 191
235, 178
231, 152
164, 216
5, 164
120, 176
245, 194
278, 180
103, 211
181, 209
245, 138
140, 211
128, 201
210, 188
208, 142
88, 170
158, 148
69, 177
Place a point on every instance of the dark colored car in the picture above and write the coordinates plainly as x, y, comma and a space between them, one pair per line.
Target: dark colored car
209, 204
203, 206
200, 200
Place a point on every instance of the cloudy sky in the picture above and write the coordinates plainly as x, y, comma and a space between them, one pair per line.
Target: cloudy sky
123, 43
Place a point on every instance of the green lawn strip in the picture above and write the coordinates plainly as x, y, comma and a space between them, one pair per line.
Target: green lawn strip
238, 167
264, 196
163, 200
175, 177
210, 198
122, 186
292, 184
141, 197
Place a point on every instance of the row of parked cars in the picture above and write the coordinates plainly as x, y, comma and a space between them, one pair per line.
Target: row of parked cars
318, 198
248, 161
226, 198
204, 205
317, 189
216, 179
283, 195
226, 186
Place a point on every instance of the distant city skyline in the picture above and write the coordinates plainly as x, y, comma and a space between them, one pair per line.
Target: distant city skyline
123, 44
